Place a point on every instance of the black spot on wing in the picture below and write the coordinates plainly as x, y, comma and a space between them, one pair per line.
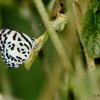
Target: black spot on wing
9, 31
4, 35
21, 44
19, 61
18, 57
9, 46
0, 36
14, 36
1, 42
22, 49
26, 40
23, 52
18, 49
13, 45
3, 46
33, 39
26, 46
7, 55
9, 42
25, 55
15, 59
13, 65
0, 48
5, 39
12, 48
6, 50
19, 39
12, 58
3, 30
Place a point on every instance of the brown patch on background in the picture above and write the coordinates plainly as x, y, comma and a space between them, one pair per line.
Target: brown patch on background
58, 7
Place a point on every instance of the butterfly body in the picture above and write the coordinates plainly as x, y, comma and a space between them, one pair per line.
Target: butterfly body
15, 47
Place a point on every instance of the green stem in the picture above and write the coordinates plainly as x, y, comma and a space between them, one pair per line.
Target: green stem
53, 35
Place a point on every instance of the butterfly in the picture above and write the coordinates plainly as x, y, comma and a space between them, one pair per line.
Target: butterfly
15, 47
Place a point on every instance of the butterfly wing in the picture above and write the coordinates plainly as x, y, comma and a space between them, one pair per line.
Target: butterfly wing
15, 47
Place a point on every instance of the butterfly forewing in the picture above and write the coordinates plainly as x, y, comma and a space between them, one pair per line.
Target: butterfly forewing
15, 47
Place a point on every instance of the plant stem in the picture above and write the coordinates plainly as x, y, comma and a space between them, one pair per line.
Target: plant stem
53, 35
90, 61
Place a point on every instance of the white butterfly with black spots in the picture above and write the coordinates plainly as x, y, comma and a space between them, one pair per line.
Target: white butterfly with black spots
15, 47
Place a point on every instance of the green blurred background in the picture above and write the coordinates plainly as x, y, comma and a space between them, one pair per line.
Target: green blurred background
21, 15
46, 79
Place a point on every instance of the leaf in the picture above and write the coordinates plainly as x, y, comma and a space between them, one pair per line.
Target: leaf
90, 32
60, 22
39, 42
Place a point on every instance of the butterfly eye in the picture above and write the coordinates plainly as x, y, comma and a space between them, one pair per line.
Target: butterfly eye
15, 47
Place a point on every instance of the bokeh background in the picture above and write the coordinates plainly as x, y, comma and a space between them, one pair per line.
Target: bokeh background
46, 79
22, 15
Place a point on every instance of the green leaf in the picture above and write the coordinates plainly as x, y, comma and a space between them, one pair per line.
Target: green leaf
39, 42
90, 32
